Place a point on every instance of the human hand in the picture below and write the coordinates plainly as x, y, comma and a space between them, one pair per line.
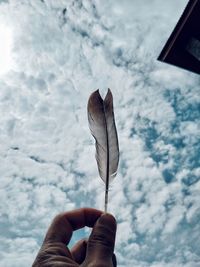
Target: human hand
96, 252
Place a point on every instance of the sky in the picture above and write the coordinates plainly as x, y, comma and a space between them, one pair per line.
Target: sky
53, 55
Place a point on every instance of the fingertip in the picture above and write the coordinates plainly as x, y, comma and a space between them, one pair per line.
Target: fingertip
100, 245
109, 219
78, 251
91, 216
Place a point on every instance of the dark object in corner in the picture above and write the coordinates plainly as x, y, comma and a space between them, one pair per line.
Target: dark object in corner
183, 46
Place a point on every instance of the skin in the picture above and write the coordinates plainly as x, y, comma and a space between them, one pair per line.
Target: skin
97, 251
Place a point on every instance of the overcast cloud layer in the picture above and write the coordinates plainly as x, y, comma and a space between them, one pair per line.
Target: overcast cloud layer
62, 51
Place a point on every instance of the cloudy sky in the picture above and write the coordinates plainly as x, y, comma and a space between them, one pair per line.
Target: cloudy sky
53, 54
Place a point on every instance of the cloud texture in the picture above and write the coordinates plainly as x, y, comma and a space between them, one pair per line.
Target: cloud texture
62, 51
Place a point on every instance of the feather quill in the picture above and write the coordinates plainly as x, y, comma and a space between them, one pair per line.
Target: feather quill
102, 126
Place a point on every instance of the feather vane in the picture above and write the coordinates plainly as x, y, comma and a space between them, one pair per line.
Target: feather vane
102, 126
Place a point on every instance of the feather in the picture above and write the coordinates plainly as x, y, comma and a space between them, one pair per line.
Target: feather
102, 126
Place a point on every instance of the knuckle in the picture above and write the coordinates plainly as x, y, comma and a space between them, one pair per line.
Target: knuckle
56, 248
47, 252
101, 239
59, 217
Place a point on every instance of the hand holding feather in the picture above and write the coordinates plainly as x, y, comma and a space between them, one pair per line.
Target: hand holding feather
102, 126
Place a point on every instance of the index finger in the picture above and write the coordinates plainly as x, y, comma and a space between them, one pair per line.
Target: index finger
65, 223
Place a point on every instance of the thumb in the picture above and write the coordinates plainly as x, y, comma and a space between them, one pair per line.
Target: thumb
101, 242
